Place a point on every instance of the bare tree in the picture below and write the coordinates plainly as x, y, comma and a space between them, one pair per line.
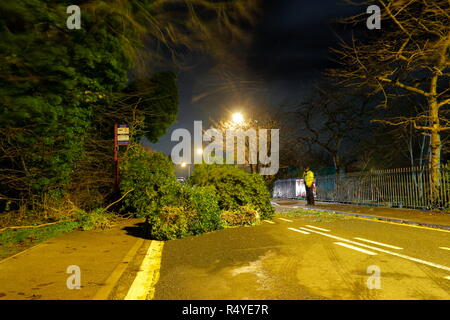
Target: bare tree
331, 119
409, 56
261, 119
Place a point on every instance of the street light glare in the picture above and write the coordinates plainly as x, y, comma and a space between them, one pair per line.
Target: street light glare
183, 164
238, 118
199, 151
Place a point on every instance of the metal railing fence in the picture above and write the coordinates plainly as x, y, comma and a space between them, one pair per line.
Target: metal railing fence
402, 188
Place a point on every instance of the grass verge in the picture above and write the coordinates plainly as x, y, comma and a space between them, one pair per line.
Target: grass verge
317, 216
13, 241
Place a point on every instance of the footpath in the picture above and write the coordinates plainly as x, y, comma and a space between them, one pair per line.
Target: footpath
105, 259
431, 219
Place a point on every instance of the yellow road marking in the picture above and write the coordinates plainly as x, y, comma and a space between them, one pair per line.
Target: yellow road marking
444, 248
105, 291
143, 287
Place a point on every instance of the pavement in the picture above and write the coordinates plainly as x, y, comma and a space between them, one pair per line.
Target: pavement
106, 259
432, 219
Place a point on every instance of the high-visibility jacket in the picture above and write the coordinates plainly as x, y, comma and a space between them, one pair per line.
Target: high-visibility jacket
309, 178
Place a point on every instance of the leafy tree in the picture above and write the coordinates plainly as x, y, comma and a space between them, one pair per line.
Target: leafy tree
56, 83
52, 79
151, 104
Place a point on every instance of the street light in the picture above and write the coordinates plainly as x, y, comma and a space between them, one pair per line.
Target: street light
237, 118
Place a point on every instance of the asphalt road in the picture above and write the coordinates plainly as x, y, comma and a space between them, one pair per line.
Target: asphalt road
347, 258
310, 256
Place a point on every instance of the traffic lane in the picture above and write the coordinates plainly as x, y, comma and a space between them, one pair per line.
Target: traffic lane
400, 278
423, 243
272, 262
224, 265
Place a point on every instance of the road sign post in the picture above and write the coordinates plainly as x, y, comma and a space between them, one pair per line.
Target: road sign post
121, 137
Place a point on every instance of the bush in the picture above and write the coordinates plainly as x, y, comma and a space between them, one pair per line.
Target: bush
175, 210
204, 201
170, 223
152, 177
245, 215
96, 219
197, 212
236, 188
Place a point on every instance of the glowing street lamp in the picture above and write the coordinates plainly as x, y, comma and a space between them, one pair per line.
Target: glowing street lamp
237, 118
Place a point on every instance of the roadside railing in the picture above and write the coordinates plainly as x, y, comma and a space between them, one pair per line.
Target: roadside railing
401, 188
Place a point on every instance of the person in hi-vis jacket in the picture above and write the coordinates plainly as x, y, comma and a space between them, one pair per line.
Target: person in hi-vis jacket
308, 177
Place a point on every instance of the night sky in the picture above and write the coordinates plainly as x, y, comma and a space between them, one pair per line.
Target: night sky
288, 52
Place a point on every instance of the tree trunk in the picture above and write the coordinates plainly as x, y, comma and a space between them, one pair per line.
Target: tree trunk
337, 163
436, 146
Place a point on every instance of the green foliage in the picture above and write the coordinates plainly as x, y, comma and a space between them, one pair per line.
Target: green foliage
32, 236
244, 215
158, 100
195, 211
59, 90
236, 188
204, 202
152, 177
170, 223
52, 81
95, 219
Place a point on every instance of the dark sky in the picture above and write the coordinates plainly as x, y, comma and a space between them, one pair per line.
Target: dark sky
289, 50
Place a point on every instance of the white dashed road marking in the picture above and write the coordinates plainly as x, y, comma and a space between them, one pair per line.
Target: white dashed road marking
296, 230
431, 264
379, 243
317, 228
444, 248
268, 221
287, 220
355, 248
